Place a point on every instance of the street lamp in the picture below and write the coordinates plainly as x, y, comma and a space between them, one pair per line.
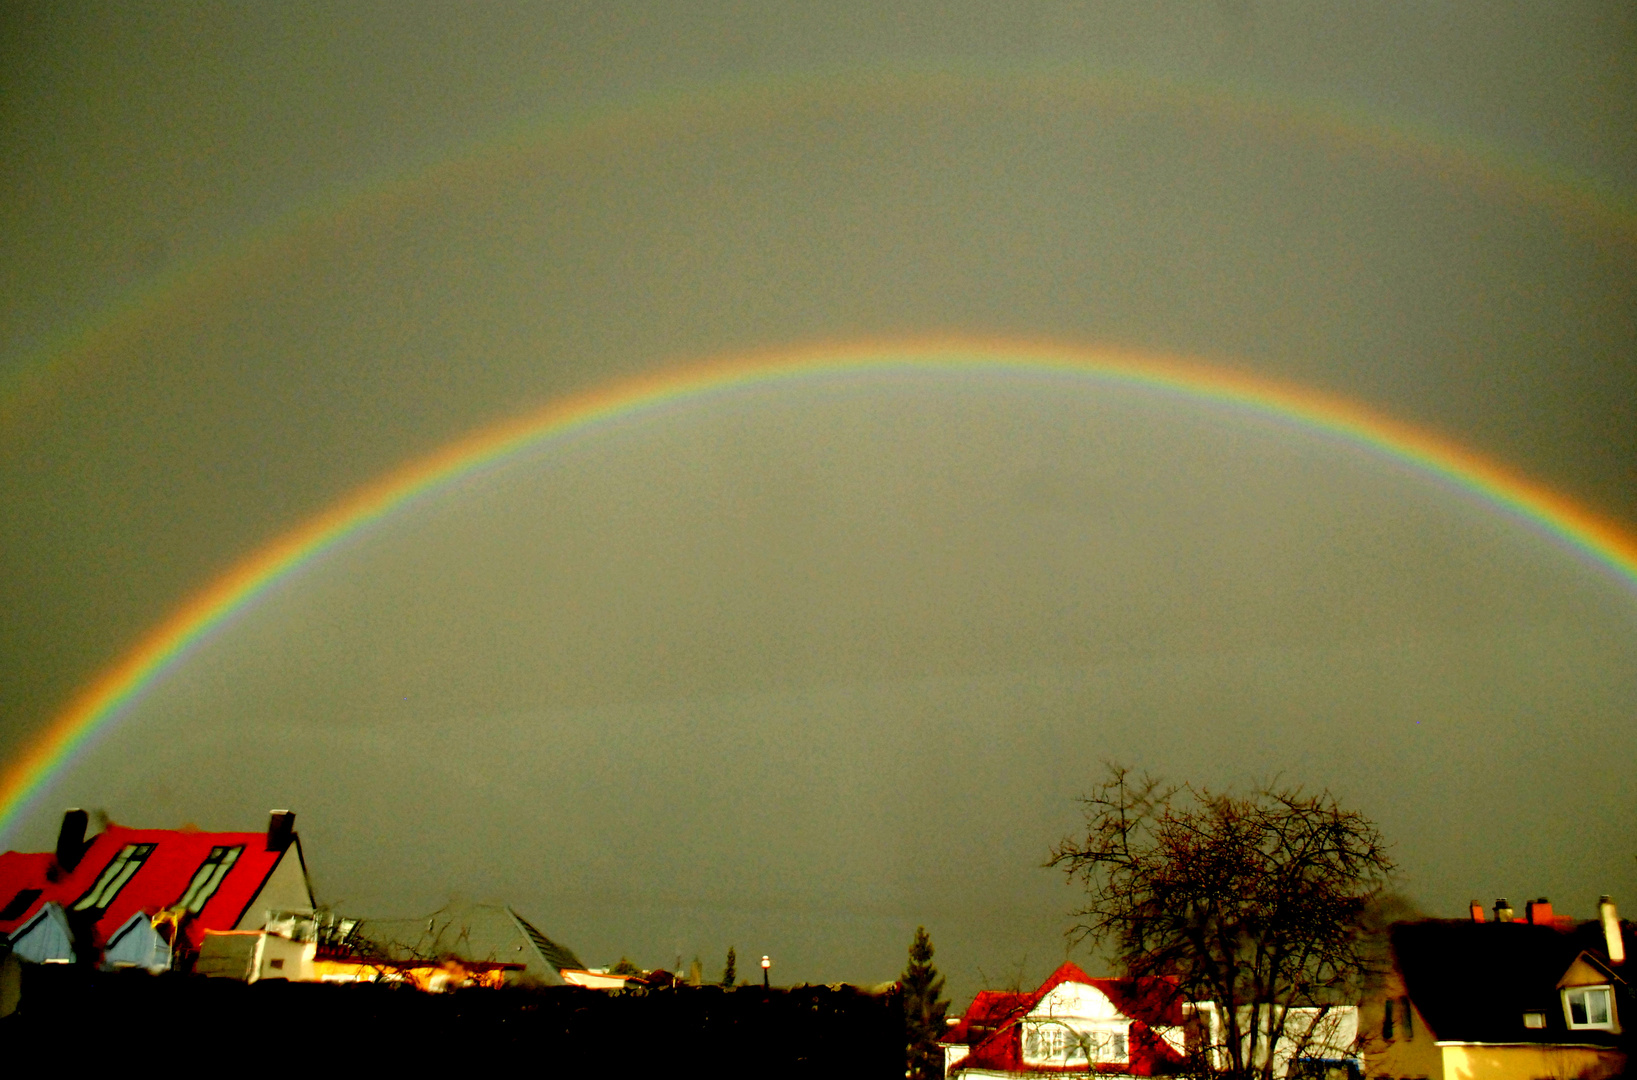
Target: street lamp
766, 963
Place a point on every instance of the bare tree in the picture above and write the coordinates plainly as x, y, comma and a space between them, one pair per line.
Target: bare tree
1252, 907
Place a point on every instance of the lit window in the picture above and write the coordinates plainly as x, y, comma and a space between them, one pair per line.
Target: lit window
1057, 1042
208, 877
114, 876
1046, 1041
1534, 1020
1589, 1007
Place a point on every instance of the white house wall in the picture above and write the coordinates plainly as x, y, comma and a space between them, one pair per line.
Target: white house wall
285, 889
280, 958
46, 938
1079, 1001
137, 944
1330, 1033
1079, 1023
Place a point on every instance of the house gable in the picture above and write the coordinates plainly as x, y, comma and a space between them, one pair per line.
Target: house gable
285, 889
137, 944
46, 938
1079, 1001
1587, 970
1072, 1022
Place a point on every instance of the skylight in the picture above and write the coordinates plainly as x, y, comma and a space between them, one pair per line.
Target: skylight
208, 877
114, 876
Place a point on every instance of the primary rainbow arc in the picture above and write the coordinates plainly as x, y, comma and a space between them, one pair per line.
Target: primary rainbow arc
106, 698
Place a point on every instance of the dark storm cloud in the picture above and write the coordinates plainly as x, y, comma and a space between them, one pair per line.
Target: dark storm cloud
808, 673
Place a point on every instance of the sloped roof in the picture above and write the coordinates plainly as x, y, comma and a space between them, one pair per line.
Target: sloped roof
158, 883
1149, 1003
988, 1011
22, 873
472, 932
558, 956
1473, 982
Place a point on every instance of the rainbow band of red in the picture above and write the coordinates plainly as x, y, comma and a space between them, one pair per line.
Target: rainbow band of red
101, 702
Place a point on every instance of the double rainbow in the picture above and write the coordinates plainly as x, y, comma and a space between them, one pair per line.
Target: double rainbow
102, 702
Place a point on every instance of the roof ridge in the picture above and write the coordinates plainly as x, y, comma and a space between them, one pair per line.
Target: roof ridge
558, 956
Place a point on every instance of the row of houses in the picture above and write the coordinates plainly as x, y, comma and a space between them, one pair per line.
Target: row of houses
1494, 995
240, 905
1500, 998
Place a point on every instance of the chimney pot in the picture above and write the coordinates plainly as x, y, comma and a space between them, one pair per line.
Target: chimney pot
71, 838
1477, 911
1613, 943
1540, 912
281, 826
1503, 910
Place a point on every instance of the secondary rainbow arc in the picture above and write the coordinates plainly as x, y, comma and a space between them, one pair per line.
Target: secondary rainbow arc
1607, 209
102, 701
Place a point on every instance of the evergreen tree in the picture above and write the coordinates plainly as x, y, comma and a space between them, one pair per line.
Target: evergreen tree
924, 1008
730, 974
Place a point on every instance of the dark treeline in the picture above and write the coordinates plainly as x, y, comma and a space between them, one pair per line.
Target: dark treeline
798, 1032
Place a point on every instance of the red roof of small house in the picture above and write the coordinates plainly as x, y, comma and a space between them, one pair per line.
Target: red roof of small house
158, 883
1149, 1003
988, 1011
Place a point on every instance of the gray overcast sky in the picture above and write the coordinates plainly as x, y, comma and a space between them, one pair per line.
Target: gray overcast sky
797, 670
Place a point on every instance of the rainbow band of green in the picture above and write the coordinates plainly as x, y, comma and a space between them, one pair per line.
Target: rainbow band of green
101, 702
1607, 212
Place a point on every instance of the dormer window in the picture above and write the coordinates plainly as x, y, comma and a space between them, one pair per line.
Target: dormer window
1589, 1007
1057, 1042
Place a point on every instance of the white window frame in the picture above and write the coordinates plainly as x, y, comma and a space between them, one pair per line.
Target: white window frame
114, 877
208, 878
1072, 1044
1610, 1024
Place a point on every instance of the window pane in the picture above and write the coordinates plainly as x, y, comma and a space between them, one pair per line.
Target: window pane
1597, 1006
1577, 1006
119, 870
208, 877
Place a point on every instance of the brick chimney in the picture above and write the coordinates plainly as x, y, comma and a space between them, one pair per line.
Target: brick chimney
1477, 911
281, 826
71, 838
1503, 910
1613, 943
1539, 912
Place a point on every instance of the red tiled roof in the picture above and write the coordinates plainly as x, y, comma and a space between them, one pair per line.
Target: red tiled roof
1149, 1003
159, 883
988, 1011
